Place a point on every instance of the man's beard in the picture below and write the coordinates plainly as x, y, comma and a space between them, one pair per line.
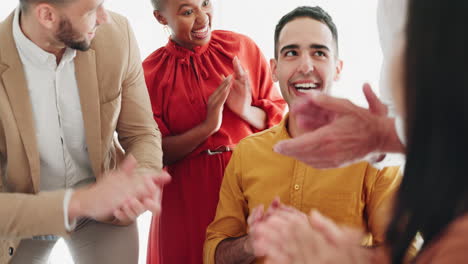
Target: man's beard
69, 36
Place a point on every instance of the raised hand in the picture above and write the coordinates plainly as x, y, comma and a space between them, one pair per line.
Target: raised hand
351, 134
133, 207
259, 215
289, 237
214, 116
123, 194
240, 96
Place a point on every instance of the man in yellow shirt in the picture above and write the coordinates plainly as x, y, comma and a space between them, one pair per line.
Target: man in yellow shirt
306, 61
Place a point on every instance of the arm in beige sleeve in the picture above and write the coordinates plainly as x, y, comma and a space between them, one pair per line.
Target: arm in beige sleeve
27, 215
137, 130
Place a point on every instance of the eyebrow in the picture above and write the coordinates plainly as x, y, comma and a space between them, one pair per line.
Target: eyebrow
312, 46
182, 6
319, 46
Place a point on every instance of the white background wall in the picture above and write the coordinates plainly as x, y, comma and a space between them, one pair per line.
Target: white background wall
359, 47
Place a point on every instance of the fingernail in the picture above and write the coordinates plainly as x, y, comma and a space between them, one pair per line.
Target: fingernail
316, 214
278, 148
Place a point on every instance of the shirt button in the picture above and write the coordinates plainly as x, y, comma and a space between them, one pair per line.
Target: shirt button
11, 251
297, 187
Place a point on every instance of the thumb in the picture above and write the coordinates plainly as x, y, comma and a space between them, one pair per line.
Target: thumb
303, 145
163, 178
375, 105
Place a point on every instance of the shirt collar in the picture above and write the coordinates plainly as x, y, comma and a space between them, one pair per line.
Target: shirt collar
33, 52
282, 129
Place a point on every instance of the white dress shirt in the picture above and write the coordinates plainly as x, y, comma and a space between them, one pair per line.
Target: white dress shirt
58, 119
391, 21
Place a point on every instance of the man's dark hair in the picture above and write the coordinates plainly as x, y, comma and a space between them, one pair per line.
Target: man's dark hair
25, 4
316, 13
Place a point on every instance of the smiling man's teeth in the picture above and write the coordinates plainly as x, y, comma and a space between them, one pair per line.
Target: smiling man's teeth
307, 91
305, 86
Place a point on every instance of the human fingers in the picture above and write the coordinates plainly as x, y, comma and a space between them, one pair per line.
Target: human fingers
136, 207
149, 186
162, 178
276, 202
225, 94
129, 211
272, 253
270, 235
306, 244
263, 248
375, 105
324, 101
220, 95
255, 216
304, 146
140, 186
323, 148
280, 232
121, 216
276, 260
308, 116
238, 69
330, 231
225, 84
353, 235
153, 204
275, 205
291, 210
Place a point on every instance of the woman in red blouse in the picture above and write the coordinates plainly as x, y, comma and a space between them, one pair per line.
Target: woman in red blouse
202, 115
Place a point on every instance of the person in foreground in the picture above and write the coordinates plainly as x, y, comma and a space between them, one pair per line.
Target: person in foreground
433, 197
70, 79
209, 89
306, 60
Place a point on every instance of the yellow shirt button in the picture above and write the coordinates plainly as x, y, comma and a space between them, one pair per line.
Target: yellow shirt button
297, 187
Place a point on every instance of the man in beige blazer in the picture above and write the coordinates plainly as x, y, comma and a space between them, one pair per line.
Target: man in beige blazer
72, 100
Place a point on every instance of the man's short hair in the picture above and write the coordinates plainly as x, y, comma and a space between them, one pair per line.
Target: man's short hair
157, 4
25, 4
316, 13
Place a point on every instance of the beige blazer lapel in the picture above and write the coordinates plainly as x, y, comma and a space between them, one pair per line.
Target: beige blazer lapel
14, 81
86, 76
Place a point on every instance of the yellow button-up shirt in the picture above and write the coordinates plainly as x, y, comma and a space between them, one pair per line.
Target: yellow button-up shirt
357, 195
